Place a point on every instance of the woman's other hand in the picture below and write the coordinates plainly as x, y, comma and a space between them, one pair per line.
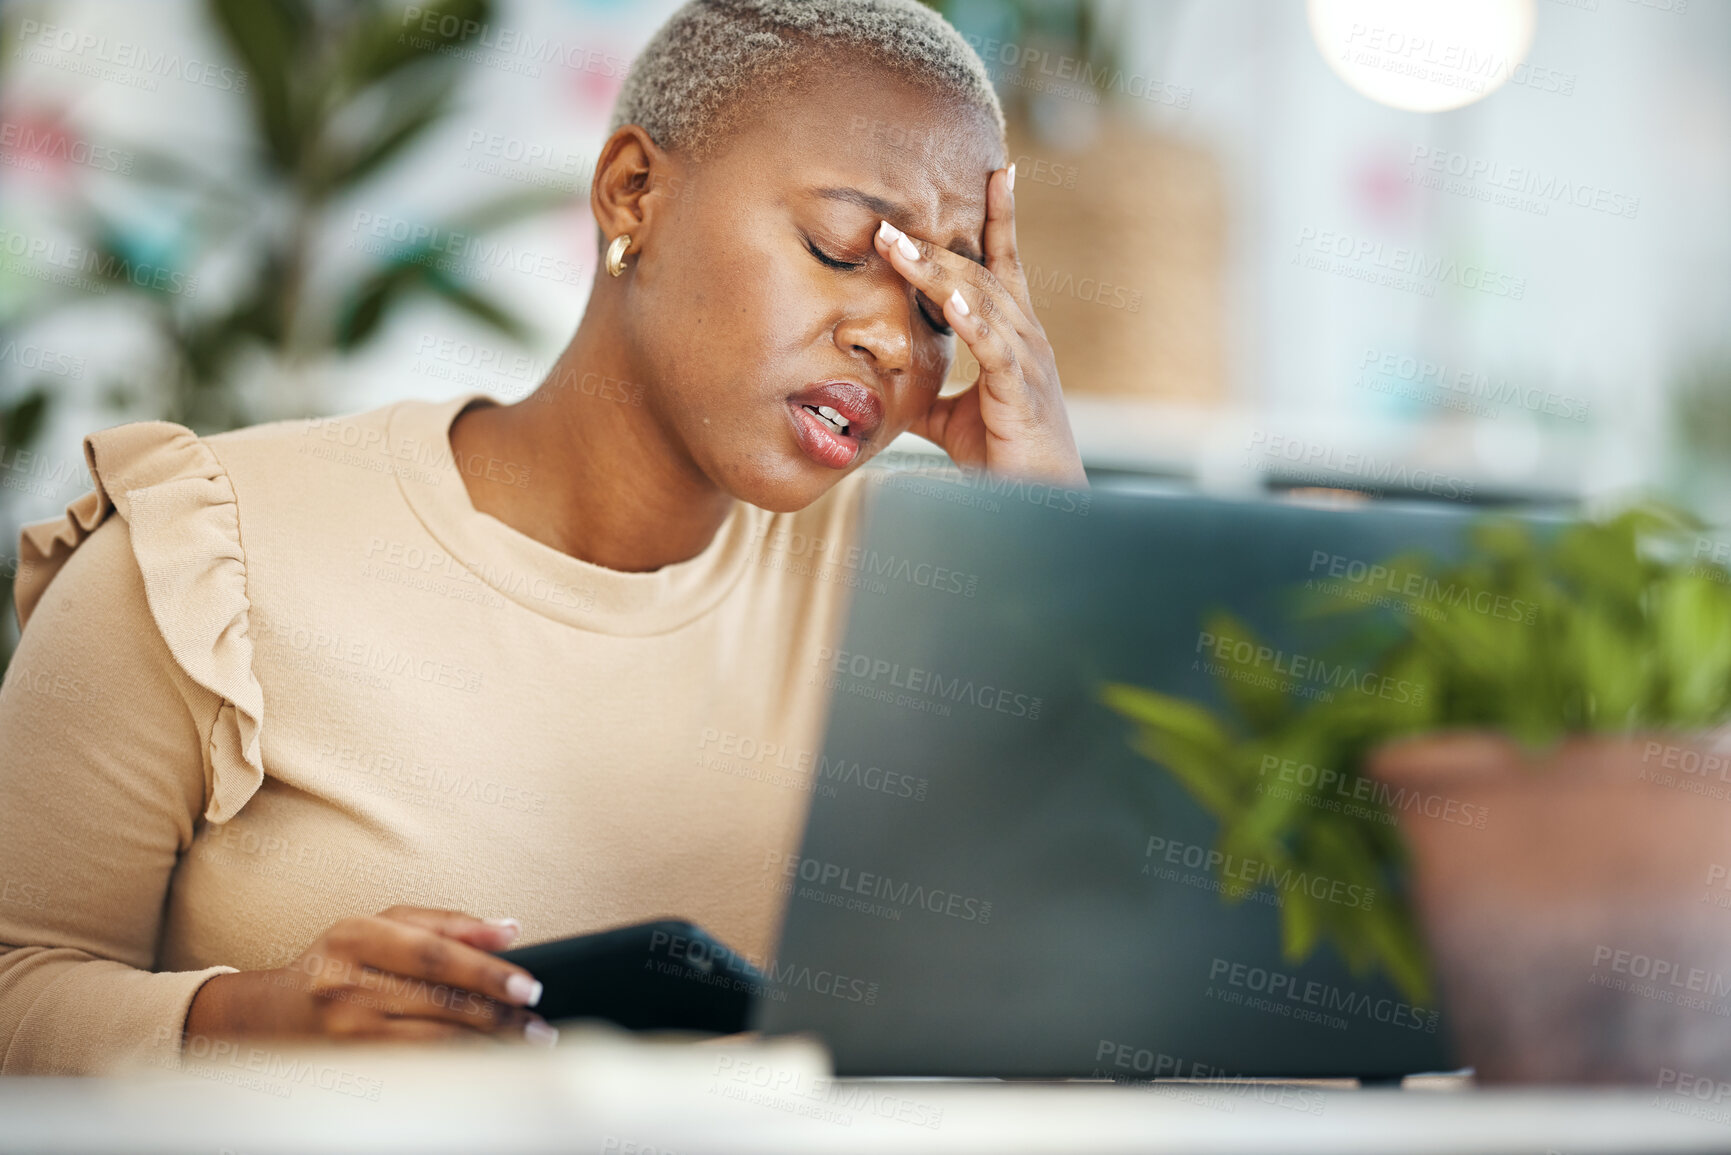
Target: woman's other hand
1012, 419
407, 973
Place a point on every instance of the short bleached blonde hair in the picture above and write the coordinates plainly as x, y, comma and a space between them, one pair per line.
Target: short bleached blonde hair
712, 55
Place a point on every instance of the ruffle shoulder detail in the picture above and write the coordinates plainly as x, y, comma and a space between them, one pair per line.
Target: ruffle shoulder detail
184, 522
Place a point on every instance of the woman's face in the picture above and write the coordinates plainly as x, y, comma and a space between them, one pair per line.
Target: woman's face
761, 313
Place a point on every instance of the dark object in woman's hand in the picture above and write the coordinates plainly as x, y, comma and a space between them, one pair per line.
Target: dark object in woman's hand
666, 975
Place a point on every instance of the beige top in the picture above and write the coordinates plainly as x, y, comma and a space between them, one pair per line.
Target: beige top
299, 676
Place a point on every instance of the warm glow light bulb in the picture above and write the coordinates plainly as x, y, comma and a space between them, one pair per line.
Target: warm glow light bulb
1424, 55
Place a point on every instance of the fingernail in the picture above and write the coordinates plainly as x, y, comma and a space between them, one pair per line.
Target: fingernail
1010, 178
509, 924
961, 305
907, 248
540, 1033
889, 232
523, 990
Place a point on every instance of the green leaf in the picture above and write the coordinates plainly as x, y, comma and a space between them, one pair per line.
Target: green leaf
1390, 930
375, 296
390, 39
1198, 771
1186, 721
1603, 561
414, 268
511, 208
1273, 807
1253, 686
22, 421
1300, 925
407, 125
388, 288
269, 37
487, 312
1692, 618
1611, 665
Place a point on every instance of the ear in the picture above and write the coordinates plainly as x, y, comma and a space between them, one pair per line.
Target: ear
633, 177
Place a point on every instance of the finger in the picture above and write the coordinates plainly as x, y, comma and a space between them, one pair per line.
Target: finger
404, 948
983, 330
937, 272
486, 933
365, 1011
421, 1031
380, 994
413, 1030
1003, 259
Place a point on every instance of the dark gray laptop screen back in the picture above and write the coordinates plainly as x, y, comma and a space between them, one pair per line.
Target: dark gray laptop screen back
992, 881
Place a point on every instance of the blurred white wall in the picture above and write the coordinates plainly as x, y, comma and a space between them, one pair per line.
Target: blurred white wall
1613, 305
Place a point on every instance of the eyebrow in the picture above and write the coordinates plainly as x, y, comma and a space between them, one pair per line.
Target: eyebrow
887, 209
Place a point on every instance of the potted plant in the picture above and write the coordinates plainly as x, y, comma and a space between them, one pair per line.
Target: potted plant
1544, 759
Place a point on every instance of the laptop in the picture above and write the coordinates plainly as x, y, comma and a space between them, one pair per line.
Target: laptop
992, 881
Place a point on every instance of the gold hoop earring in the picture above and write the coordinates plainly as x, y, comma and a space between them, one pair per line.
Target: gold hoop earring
616, 253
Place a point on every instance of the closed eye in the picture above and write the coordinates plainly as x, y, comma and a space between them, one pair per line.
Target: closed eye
832, 262
934, 316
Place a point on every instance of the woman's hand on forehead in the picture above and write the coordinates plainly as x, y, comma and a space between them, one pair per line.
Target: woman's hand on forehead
1011, 420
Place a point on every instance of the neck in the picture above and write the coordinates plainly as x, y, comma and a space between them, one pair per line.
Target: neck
605, 483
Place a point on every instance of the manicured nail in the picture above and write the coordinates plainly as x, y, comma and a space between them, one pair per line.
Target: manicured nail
523, 990
540, 1033
907, 249
889, 232
1010, 178
961, 305
509, 924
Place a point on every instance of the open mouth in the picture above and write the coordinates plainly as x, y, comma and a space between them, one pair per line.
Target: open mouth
827, 438
833, 420
829, 417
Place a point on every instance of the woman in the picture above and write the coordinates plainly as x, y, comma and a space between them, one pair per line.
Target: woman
462, 656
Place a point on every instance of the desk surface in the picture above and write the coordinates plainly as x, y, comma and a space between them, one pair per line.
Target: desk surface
604, 1095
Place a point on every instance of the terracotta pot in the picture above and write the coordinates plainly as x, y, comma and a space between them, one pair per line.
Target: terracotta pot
1582, 933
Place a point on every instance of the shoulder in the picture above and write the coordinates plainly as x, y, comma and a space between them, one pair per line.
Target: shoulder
184, 496
93, 649
192, 523
99, 586
150, 564
318, 456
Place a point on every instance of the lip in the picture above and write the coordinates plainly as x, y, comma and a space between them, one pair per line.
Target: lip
856, 402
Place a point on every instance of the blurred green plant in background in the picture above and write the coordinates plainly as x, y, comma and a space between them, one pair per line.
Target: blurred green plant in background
1606, 626
337, 94
1701, 423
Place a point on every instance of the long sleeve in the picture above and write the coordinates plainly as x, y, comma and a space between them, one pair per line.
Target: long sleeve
458, 717
103, 779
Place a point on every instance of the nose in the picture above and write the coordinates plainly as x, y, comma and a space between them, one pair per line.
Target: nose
879, 327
